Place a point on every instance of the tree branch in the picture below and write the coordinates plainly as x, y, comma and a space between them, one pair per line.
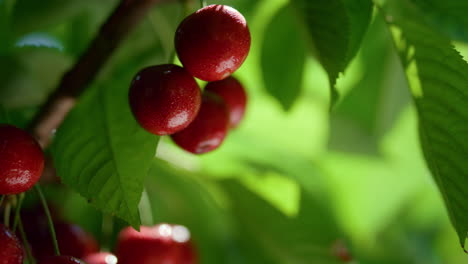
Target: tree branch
122, 20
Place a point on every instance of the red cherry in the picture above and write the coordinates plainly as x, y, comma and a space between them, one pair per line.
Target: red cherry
209, 128
11, 251
61, 260
161, 244
72, 240
213, 42
21, 160
164, 99
101, 258
233, 94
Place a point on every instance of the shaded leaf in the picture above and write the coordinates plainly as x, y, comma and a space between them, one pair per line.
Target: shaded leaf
101, 152
375, 100
336, 28
281, 239
283, 61
29, 74
449, 16
437, 76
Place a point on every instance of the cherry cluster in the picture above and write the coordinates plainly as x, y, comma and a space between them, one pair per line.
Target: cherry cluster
211, 43
161, 243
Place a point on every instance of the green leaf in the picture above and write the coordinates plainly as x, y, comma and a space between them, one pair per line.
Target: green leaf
283, 61
336, 28
281, 239
437, 76
101, 152
448, 16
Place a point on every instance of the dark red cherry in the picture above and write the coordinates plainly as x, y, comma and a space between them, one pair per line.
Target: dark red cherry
61, 260
21, 160
233, 94
213, 42
161, 244
72, 240
101, 258
11, 251
209, 128
164, 99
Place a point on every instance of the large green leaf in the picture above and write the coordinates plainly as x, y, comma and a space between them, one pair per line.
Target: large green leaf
336, 28
449, 16
438, 79
283, 61
101, 152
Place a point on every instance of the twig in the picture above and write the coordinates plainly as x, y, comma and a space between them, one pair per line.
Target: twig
123, 19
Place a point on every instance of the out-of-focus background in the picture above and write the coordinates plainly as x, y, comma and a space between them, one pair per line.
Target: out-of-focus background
295, 180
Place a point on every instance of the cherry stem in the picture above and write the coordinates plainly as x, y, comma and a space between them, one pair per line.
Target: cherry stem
202, 3
6, 214
25, 242
17, 211
2, 197
49, 218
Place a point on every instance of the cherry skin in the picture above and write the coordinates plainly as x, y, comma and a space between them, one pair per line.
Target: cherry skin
61, 260
72, 240
21, 160
233, 94
11, 251
101, 258
161, 244
164, 99
209, 128
213, 42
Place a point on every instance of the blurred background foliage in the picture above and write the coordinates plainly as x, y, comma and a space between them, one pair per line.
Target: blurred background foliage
294, 179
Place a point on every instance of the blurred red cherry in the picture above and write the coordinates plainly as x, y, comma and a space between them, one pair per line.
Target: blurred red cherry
11, 250
160, 244
101, 258
61, 260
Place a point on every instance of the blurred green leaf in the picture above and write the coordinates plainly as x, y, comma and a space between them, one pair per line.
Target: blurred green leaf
281, 239
437, 76
375, 101
283, 61
32, 15
449, 16
182, 197
336, 28
29, 74
101, 152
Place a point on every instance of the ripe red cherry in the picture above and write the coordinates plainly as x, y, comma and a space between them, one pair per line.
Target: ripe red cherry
21, 160
209, 128
161, 244
213, 42
101, 258
61, 260
72, 240
164, 99
233, 94
11, 251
